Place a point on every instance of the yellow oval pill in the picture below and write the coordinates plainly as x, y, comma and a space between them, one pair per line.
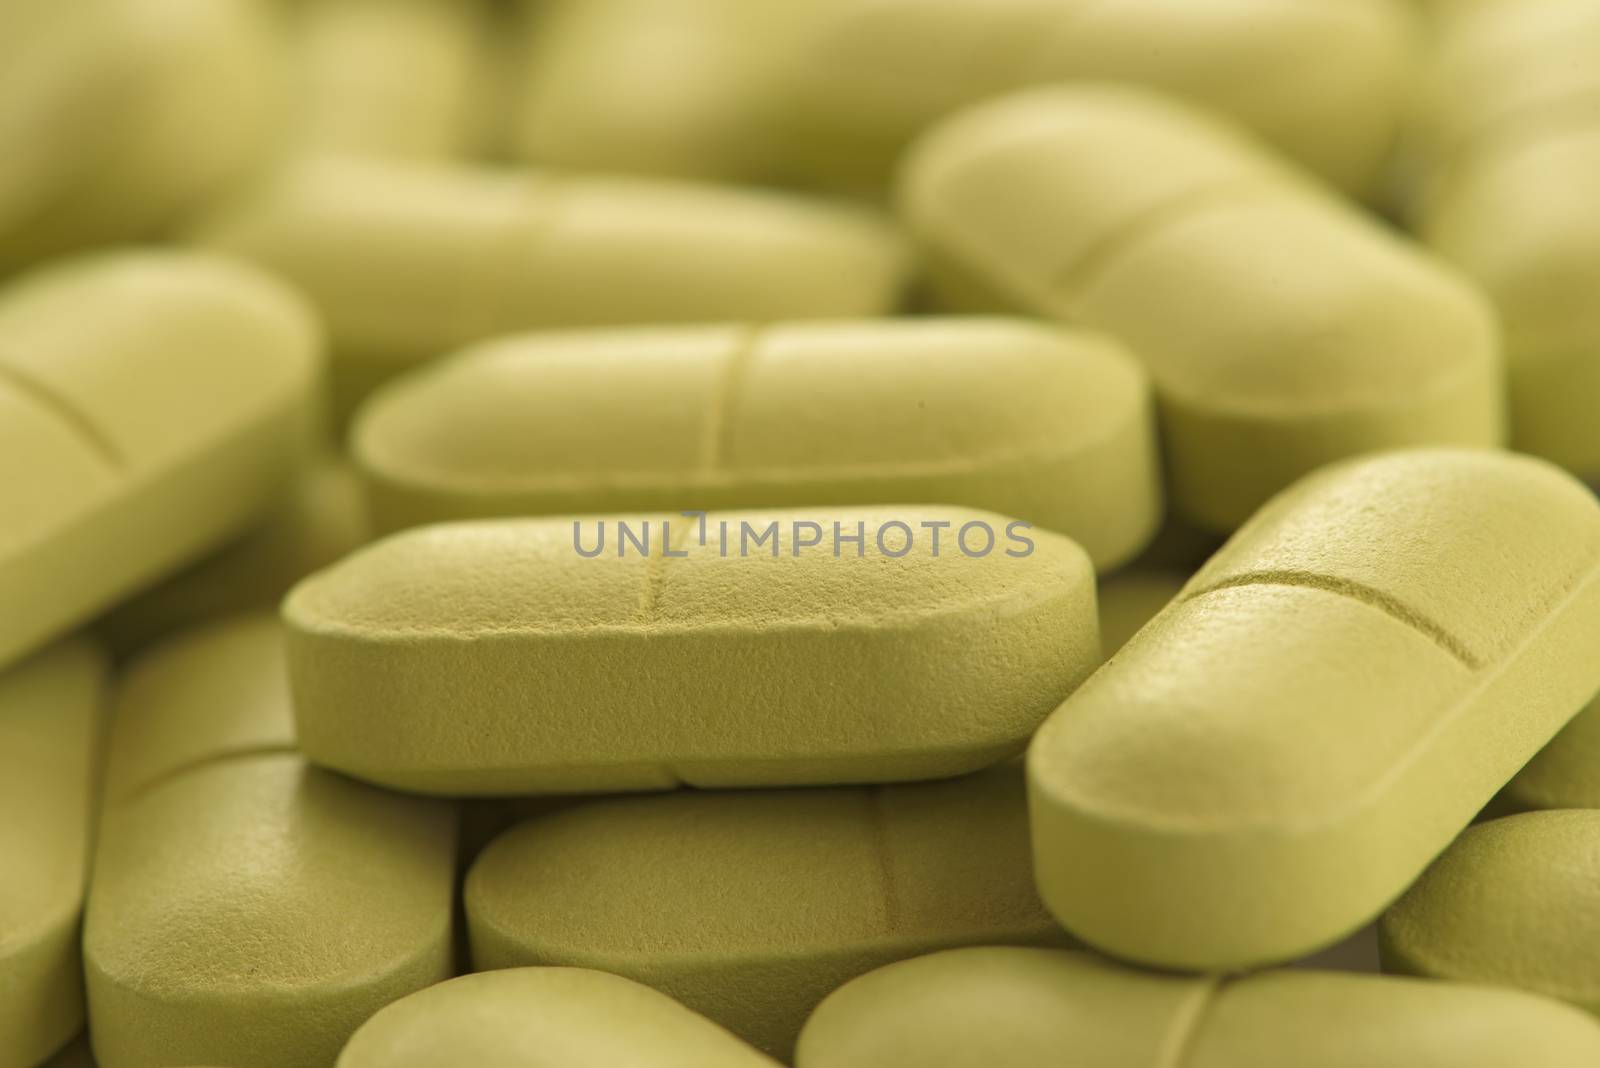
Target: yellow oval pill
1277, 755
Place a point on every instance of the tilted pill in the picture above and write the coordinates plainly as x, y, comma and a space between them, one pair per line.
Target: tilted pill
1041, 1008
1505, 169
768, 649
1565, 773
151, 405
51, 709
1130, 599
1277, 755
1040, 424
320, 518
544, 1018
1513, 902
750, 907
410, 261
1324, 81
1282, 329
123, 115
247, 909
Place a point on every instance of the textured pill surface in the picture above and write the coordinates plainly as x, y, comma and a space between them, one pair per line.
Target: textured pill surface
1042, 1008
1044, 425
1282, 329
1278, 754
1565, 773
494, 657
750, 907
50, 720
248, 909
151, 405
544, 1018
1514, 902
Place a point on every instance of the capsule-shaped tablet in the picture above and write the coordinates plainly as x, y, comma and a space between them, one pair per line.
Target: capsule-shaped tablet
123, 115
646, 652
393, 78
1280, 752
409, 261
51, 708
1504, 170
151, 405
1513, 902
247, 909
544, 1018
1041, 1008
749, 908
1047, 426
1282, 329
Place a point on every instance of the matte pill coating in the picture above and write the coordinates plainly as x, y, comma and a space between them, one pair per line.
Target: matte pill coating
1282, 329
1042, 1008
768, 649
410, 261
1324, 81
1504, 171
247, 909
750, 907
51, 709
152, 404
1041, 424
122, 115
1565, 773
1513, 902
1279, 753
544, 1018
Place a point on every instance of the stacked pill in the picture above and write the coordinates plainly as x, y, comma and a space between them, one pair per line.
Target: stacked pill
853, 534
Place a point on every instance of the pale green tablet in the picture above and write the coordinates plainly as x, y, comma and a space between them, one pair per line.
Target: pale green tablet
1039, 1008
1130, 599
1332, 698
1565, 773
749, 907
544, 1018
123, 115
1282, 328
1514, 902
51, 709
1000, 414
410, 261
321, 517
756, 649
247, 909
152, 405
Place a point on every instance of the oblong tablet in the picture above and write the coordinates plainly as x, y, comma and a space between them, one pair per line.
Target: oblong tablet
1044, 425
410, 261
1282, 329
544, 1018
248, 909
750, 907
151, 405
758, 649
51, 711
1042, 1008
1513, 902
1277, 755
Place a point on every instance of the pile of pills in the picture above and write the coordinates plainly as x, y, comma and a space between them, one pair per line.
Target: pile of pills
830, 534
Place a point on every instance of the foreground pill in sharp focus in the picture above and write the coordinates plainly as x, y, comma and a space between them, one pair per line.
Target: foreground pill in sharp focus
152, 404
1282, 329
1277, 755
248, 909
750, 907
544, 1018
1048, 426
1506, 172
410, 261
768, 649
1041, 1008
50, 719
123, 114
1514, 902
